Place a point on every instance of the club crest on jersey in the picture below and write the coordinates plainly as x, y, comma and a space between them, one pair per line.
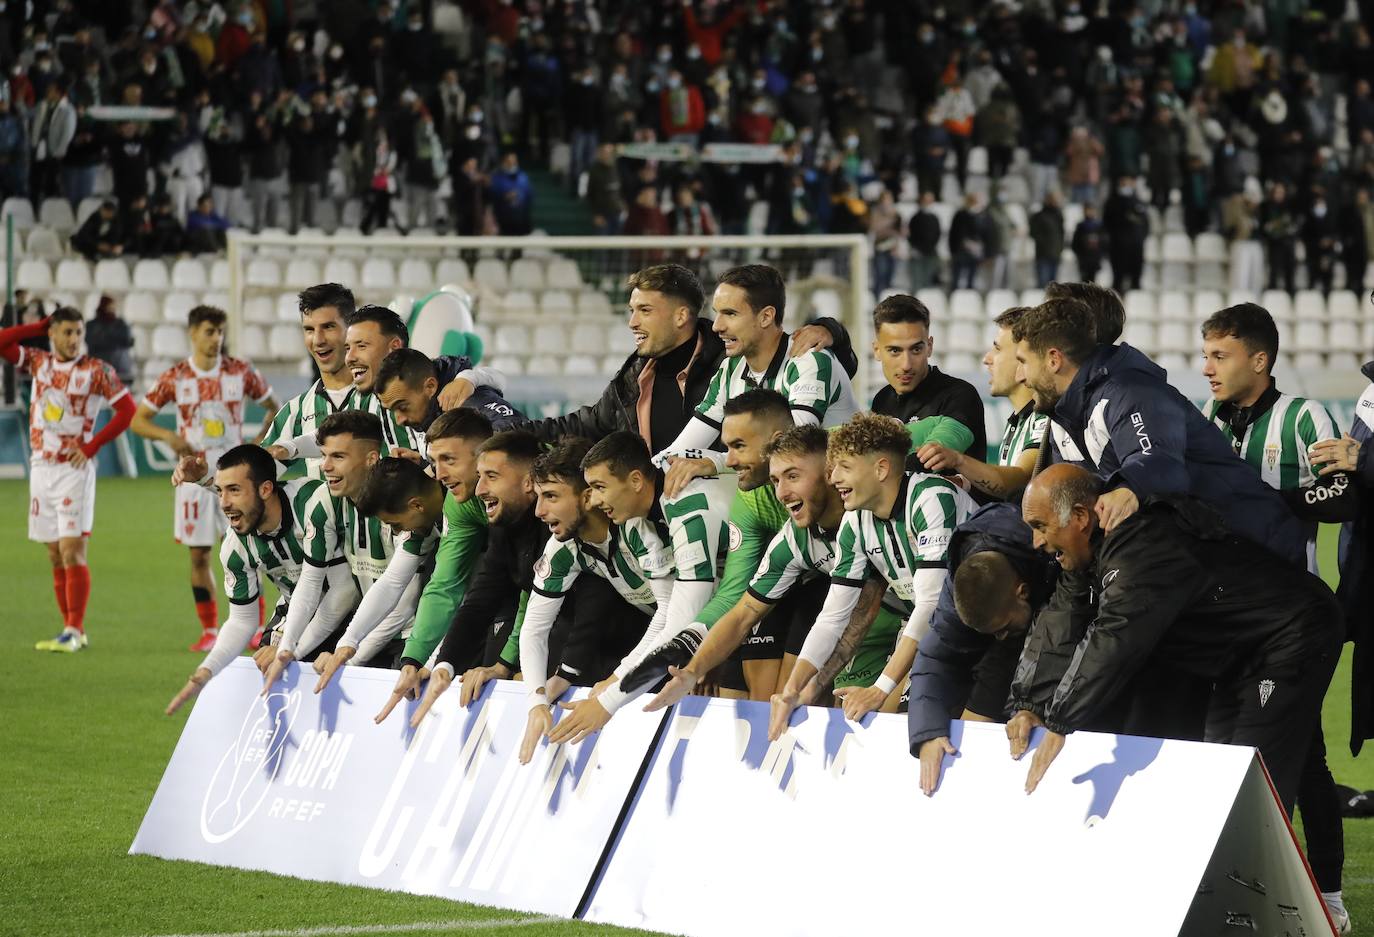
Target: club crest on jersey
1266, 690
541, 567
81, 382
736, 536
1271, 455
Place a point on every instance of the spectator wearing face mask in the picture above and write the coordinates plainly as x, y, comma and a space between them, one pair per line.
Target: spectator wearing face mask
999, 129
582, 108
1280, 225
682, 110
1320, 236
1127, 225
956, 111
512, 197
709, 30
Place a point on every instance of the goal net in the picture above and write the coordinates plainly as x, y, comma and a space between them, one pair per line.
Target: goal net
548, 311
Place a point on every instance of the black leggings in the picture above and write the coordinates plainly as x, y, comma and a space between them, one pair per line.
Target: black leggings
1321, 816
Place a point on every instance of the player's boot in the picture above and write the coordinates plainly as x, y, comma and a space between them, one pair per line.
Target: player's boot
256, 643
1339, 916
206, 642
68, 642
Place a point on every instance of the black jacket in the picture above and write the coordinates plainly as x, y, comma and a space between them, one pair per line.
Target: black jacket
616, 410
1121, 419
923, 233
1171, 584
944, 670
1356, 591
939, 394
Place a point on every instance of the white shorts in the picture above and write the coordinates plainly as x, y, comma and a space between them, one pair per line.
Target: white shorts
197, 520
61, 501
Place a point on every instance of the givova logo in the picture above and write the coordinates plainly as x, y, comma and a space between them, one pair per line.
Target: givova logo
245, 773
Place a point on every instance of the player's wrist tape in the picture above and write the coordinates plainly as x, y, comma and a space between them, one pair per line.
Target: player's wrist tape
885, 683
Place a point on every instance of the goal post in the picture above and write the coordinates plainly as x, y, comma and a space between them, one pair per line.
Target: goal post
549, 309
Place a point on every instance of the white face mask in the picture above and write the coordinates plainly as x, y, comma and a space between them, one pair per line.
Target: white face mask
674, 83
369, 101
851, 142
298, 45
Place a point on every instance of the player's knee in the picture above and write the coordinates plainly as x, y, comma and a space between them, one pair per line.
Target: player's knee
55, 555
73, 552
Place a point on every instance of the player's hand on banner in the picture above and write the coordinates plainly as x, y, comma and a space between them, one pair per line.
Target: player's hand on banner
476, 678
439, 681
680, 684
190, 469
781, 707
1019, 730
933, 752
455, 393
601, 686
1335, 455
540, 723
274, 670
938, 458
194, 684
810, 338
407, 687
332, 663
681, 471
263, 658
76, 458
859, 701
1115, 506
1048, 750
581, 719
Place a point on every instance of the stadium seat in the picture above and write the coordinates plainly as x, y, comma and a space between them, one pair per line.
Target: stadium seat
1174, 305
326, 216
378, 273
56, 213
757, 221
265, 272
1140, 305
490, 274
1174, 363
1343, 304
416, 275
588, 339
301, 272
1140, 334
611, 364
1032, 297
1309, 335
1306, 362
1279, 303
452, 270
556, 303
188, 273
219, 274
1211, 248
259, 309
511, 339
143, 308
936, 301
169, 341
519, 303
176, 305
508, 365
959, 363
215, 298
550, 339
1206, 302
338, 270
1343, 362
151, 368
1176, 336
289, 308
33, 274
74, 273
44, 242
1236, 297
999, 301
20, 210
1285, 334
1309, 304
580, 366
593, 303
966, 305
543, 365
965, 336
826, 302
89, 206
253, 341
1344, 335
143, 341
527, 274
284, 342
151, 274
563, 274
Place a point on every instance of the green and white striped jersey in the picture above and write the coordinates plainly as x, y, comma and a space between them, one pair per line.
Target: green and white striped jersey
310, 529
796, 553
369, 544
302, 415
815, 382
1276, 443
1025, 429
561, 563
916, 537
687, 536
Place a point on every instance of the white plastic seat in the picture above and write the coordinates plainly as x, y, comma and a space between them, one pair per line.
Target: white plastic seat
20, 210
1206, 302
301, 272
1344, 336
56, 213
452, 270
33, 274
74, 273
339, 270
1309, 335
215, 298
1140, 305
1176, 336
1032, 297
579, 366
563, 274
169, 341
966, 305
219, 274
144, 308
1309, 304
610, 364
1279, 304
416, 275
826, 302
175, 306
1343, 362
490, 274
151, 274
1343, 304
1210, 247
959, 362
259, 309
289, 308
518, 302
1236, 297
189, 274
556, 303
253, 342
1309, 361
543, 364
999, 301
89, 206
1174, 305
511, 339
378, 273
45, 243
508, 365
550, 339
936, 301
1141, 334
587, 339
143, 341
284, 342
594, 304
965, 336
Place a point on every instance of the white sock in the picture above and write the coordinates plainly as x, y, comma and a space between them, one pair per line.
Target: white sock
1333, 900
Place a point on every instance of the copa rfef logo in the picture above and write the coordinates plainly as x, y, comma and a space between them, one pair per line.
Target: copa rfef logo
243, 778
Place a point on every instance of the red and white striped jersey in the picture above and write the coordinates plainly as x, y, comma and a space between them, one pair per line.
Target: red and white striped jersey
210, 403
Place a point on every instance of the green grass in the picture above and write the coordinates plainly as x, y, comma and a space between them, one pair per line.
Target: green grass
83, 743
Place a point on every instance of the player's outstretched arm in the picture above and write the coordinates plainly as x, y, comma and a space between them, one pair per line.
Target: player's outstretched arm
860, 621
194, 684
439, 681
407, 687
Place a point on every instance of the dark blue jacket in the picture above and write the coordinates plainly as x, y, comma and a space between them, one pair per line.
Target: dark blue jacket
1121, 419
487, 401
1356, 590
943, 672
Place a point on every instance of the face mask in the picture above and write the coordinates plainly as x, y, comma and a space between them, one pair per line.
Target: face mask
298, 45
759, 109
1127, 190
1319, 210
336, 53
665, 56
851, 142
416, 27
150, 33
652, 87
473, 132
927, 38
370, 101
758, 84
694, 53
41, 46
674, 83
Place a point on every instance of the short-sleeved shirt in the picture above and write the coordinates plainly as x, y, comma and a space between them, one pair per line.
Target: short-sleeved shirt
67, 397
209, 404
916, 535
303, 414
1276, 443
311, 530
1025, 430
562, 562
686, 536
815, 382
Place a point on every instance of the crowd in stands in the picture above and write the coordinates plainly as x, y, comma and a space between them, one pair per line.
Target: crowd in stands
1255, 121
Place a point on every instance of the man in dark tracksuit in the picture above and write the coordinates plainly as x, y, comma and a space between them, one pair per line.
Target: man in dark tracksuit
962, 669
1113, 412
1172, 584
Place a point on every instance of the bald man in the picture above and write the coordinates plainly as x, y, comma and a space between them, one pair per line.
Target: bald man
1171, 585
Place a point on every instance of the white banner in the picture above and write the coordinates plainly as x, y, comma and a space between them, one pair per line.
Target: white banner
308, 786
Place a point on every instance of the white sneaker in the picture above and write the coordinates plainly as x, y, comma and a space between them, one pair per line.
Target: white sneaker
1341, 918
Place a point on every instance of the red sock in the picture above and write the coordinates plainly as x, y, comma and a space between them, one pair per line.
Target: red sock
78, 591
208, 614
59, 586
262, 611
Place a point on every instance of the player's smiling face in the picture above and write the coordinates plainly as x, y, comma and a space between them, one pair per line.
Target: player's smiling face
619, 498
366, 347
799, 482
1232, 372
657, 321
345, 462
455, 465
408, 405
855, 477
744, 444
323, 330
1001, 365
504, 487
1034, 372
239, 499
560, 507
903, 349
737, 323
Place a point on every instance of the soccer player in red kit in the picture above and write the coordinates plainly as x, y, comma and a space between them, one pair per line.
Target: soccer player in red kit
69, 388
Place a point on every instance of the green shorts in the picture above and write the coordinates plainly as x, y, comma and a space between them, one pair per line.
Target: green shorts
874, 651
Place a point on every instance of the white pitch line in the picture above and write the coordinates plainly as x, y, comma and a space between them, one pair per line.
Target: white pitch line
351, 930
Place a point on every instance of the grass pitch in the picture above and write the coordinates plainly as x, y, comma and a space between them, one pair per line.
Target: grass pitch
83, 743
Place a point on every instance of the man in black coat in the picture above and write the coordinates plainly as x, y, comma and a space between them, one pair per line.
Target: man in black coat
1127, 225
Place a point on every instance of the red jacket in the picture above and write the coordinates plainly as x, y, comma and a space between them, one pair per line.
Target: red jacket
693, 120
755, 128
709, 39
